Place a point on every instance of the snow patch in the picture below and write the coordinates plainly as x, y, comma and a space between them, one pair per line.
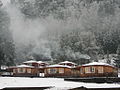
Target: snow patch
57, 83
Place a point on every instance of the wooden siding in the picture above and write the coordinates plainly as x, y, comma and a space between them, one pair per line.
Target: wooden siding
33, 72
108, 71
57, 73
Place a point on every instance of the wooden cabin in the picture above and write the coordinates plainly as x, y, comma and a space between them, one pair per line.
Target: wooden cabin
96, 69
29, 68
58, 71
39, 65
64, 69
25, 70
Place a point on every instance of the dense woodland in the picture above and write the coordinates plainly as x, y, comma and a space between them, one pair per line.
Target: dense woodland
59, 30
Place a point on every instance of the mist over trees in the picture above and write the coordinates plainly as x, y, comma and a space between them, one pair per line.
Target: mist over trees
64, 29
7, 47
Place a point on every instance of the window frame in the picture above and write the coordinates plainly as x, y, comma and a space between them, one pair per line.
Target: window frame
87, 70
92, 69
21, 70
52, 70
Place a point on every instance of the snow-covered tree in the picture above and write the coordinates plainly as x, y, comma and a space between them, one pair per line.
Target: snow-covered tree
117, 61
71, 28
7, 47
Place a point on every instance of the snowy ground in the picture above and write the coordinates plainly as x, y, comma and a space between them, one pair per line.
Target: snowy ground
57, 83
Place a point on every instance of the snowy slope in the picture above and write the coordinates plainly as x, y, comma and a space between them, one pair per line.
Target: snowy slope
41, 82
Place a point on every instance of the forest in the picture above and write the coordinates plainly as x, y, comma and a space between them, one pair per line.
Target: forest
59, 30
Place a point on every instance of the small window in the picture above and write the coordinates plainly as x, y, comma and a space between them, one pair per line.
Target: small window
52, 70
87, 70
61, 70
92, 69
21, 70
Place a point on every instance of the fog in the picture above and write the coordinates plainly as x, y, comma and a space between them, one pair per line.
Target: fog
43, 35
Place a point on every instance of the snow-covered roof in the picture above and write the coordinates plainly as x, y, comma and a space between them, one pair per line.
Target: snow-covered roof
20, 66
97, 63
31, 61
39, 62
67, 62
57, 65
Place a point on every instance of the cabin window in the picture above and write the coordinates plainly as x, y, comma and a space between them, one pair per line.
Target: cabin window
52, 70
61, 70
100, 69
92, 69
28, 70
81, 71
21, 70
87, 70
